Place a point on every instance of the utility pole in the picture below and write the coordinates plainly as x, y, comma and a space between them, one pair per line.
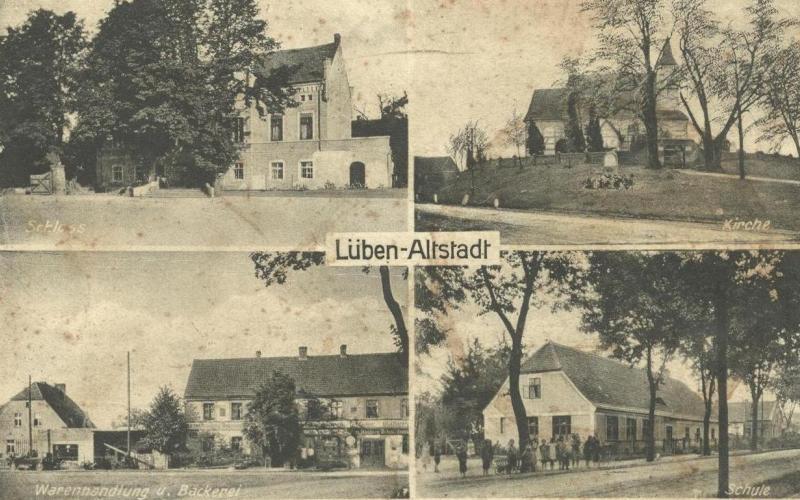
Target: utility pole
129, 404
30, 416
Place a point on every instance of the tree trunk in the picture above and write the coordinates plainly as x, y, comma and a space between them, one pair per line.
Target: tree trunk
740, 126
517, 404
651, 121
755, 396
723, 322
651, 414
395, 309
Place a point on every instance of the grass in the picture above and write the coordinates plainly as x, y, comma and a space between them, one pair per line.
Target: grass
658, 194
763, 165
787, 485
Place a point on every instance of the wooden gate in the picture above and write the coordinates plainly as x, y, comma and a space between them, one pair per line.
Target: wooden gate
42, 184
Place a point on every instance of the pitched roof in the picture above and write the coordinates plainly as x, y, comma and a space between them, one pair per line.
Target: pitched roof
63, 405
611, 384
547, 105
741, 411
434, 164
322, 376
302, 65
666, 58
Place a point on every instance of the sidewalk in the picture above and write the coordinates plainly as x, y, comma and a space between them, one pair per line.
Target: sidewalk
736, 177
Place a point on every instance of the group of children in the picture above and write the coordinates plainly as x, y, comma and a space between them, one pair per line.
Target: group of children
566, 450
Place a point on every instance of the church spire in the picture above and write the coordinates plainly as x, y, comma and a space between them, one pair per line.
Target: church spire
666, 58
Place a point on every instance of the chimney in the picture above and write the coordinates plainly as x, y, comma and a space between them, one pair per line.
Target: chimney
303, 352
258, 354
62, 388
337, 38
343, 350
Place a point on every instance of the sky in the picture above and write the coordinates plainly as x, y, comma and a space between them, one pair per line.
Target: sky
374, 35
71, 317
482, 59
562, 327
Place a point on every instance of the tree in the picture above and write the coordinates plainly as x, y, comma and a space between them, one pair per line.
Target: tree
273, 268
514, 134
594, 134
468, 146
725, 69
697, 347
272, 421
635, 309
164, 79
786, 385
781, 120
437, 290
632, 35
535, 140
525, 280
576, 142
469, 384
165, 424
39, 65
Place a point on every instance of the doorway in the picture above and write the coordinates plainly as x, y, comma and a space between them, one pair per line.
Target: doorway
358, 175
372, 453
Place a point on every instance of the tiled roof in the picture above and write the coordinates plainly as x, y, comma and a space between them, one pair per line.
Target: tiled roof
322, 376
741, 411
547, 105
304, 65
63, 405
610, 384
434, 164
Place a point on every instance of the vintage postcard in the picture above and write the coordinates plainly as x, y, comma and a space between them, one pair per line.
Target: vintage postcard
622, 122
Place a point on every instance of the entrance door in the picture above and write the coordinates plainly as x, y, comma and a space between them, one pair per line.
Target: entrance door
358, 174
372, 453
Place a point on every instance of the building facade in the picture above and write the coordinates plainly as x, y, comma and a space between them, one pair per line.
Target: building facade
568, 391
677, 143
309, 146
366, 395
770, 424
57, 425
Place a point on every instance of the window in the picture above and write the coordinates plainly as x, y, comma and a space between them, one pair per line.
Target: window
277, 170
612, 428
221, 411
372, 408
306, 126
37, 420
562, 425
18, 420
307, 169
713, 432
535, 388
533, 426
208, 411
11, 447
686, 433
404, 407
630, 429
336, 409
238, 170
502, 425
303, 98
236, 443
238, 130
405, 444
236, 411
116, 173
277, 127
66, 451
645, 427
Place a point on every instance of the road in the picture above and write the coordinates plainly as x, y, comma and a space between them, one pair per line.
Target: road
110, 222
22, 485
525, 227
696, 477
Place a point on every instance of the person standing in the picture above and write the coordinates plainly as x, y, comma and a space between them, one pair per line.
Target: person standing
487, 455
512, 457
596, 450
587, 450
461, 455
576, 450
525, 462
534, 454
437, 457
560, 452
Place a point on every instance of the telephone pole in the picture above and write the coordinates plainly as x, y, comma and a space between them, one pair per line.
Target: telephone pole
129, 404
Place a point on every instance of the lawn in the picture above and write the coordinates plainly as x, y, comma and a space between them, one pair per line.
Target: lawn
763, 165
660, 194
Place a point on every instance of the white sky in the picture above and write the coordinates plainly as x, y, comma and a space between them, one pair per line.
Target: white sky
481, 59
72, 317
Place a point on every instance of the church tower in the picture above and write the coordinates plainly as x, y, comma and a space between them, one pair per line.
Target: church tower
669, 98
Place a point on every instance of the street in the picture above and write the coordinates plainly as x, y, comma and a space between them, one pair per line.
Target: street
682, 477
109, 222
527, 227
253, 483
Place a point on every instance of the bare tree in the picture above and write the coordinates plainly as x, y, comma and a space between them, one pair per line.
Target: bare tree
632, 37
469, 146
515, 134
781, 120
